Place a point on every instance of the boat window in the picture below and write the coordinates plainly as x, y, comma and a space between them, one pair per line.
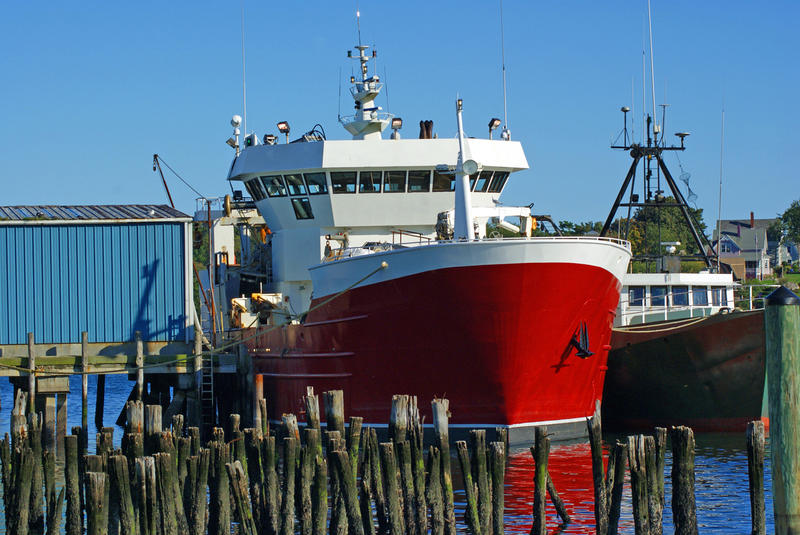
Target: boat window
498, 181
658, 296
680, 296
718, 296
394, 182
274, 185
636, 296
302, 208
295, 184
419, 181
317, 185
369, 182
254, 189
344, 182
483, 181
699, 296
443, 182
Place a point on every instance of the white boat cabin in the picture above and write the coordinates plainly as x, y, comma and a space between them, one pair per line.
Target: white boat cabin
651, 297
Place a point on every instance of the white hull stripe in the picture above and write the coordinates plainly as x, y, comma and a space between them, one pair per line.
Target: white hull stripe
333, 277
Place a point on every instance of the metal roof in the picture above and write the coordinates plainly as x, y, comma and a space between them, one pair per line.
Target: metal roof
90, 213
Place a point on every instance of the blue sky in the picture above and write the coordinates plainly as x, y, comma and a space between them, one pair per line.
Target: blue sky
91, 90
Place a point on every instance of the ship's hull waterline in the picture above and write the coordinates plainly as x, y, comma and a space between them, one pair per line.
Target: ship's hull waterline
487, 325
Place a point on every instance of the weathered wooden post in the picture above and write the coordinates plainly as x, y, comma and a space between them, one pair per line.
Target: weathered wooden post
139, 366
541, 452
84, 391
31, 375
596, 441
683, 502
755, 470
441, 415
782, 328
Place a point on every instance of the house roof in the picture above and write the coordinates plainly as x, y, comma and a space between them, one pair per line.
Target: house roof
89, 213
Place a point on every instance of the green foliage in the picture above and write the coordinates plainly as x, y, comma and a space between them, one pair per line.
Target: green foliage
790, 222
645, 237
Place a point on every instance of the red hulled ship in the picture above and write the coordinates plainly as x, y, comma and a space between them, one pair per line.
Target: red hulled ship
377, 276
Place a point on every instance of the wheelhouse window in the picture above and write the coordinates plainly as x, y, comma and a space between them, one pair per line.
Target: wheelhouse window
295, 184
699, 296
443, 182
658, 296
419, 181
719, 297
498, 181
254, 189
317, 185
302, 208
274, 185
344, 182
636, 296
680, 296
394, 182
369, 182
483, 181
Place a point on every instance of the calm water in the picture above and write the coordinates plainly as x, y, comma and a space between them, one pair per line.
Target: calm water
723, 502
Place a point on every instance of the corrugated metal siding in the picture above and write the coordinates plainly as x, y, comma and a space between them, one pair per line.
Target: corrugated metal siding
109, 280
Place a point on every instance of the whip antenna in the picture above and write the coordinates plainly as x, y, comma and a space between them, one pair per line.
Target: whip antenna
506, 132
652, 74
244, 86
719, 208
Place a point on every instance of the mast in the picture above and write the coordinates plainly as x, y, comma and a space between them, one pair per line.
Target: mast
465, 167
369, 120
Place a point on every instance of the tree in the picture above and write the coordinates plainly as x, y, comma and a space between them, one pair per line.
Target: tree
790, 223
654, 225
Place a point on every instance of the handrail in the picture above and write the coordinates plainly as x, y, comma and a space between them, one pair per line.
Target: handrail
411, 233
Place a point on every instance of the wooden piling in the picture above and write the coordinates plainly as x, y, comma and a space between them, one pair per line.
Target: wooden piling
654, 510
152, 428
441, 414
139, 366
477, 443
287, 506
96, 504
755, 471
661, 447
638, 469
365, 485
434, 491
683, 500
403, 451
782, 327
121, 493
620, 454
471, 507
241, 497
20, 519
391, 490
349, 493
37, 478
61, 424
541, 453
85, 385
319, 498
31, 375
594, 427
497, 470
334, 410
398, 418
376, 482
100, 400
72, 484
272, 489
305, 478
219, 519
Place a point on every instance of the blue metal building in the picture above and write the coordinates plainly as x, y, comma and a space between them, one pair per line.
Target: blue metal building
106, 270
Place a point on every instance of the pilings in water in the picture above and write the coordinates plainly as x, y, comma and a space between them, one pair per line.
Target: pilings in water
782, 329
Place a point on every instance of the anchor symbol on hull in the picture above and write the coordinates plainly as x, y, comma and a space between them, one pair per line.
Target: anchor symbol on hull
580, 341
